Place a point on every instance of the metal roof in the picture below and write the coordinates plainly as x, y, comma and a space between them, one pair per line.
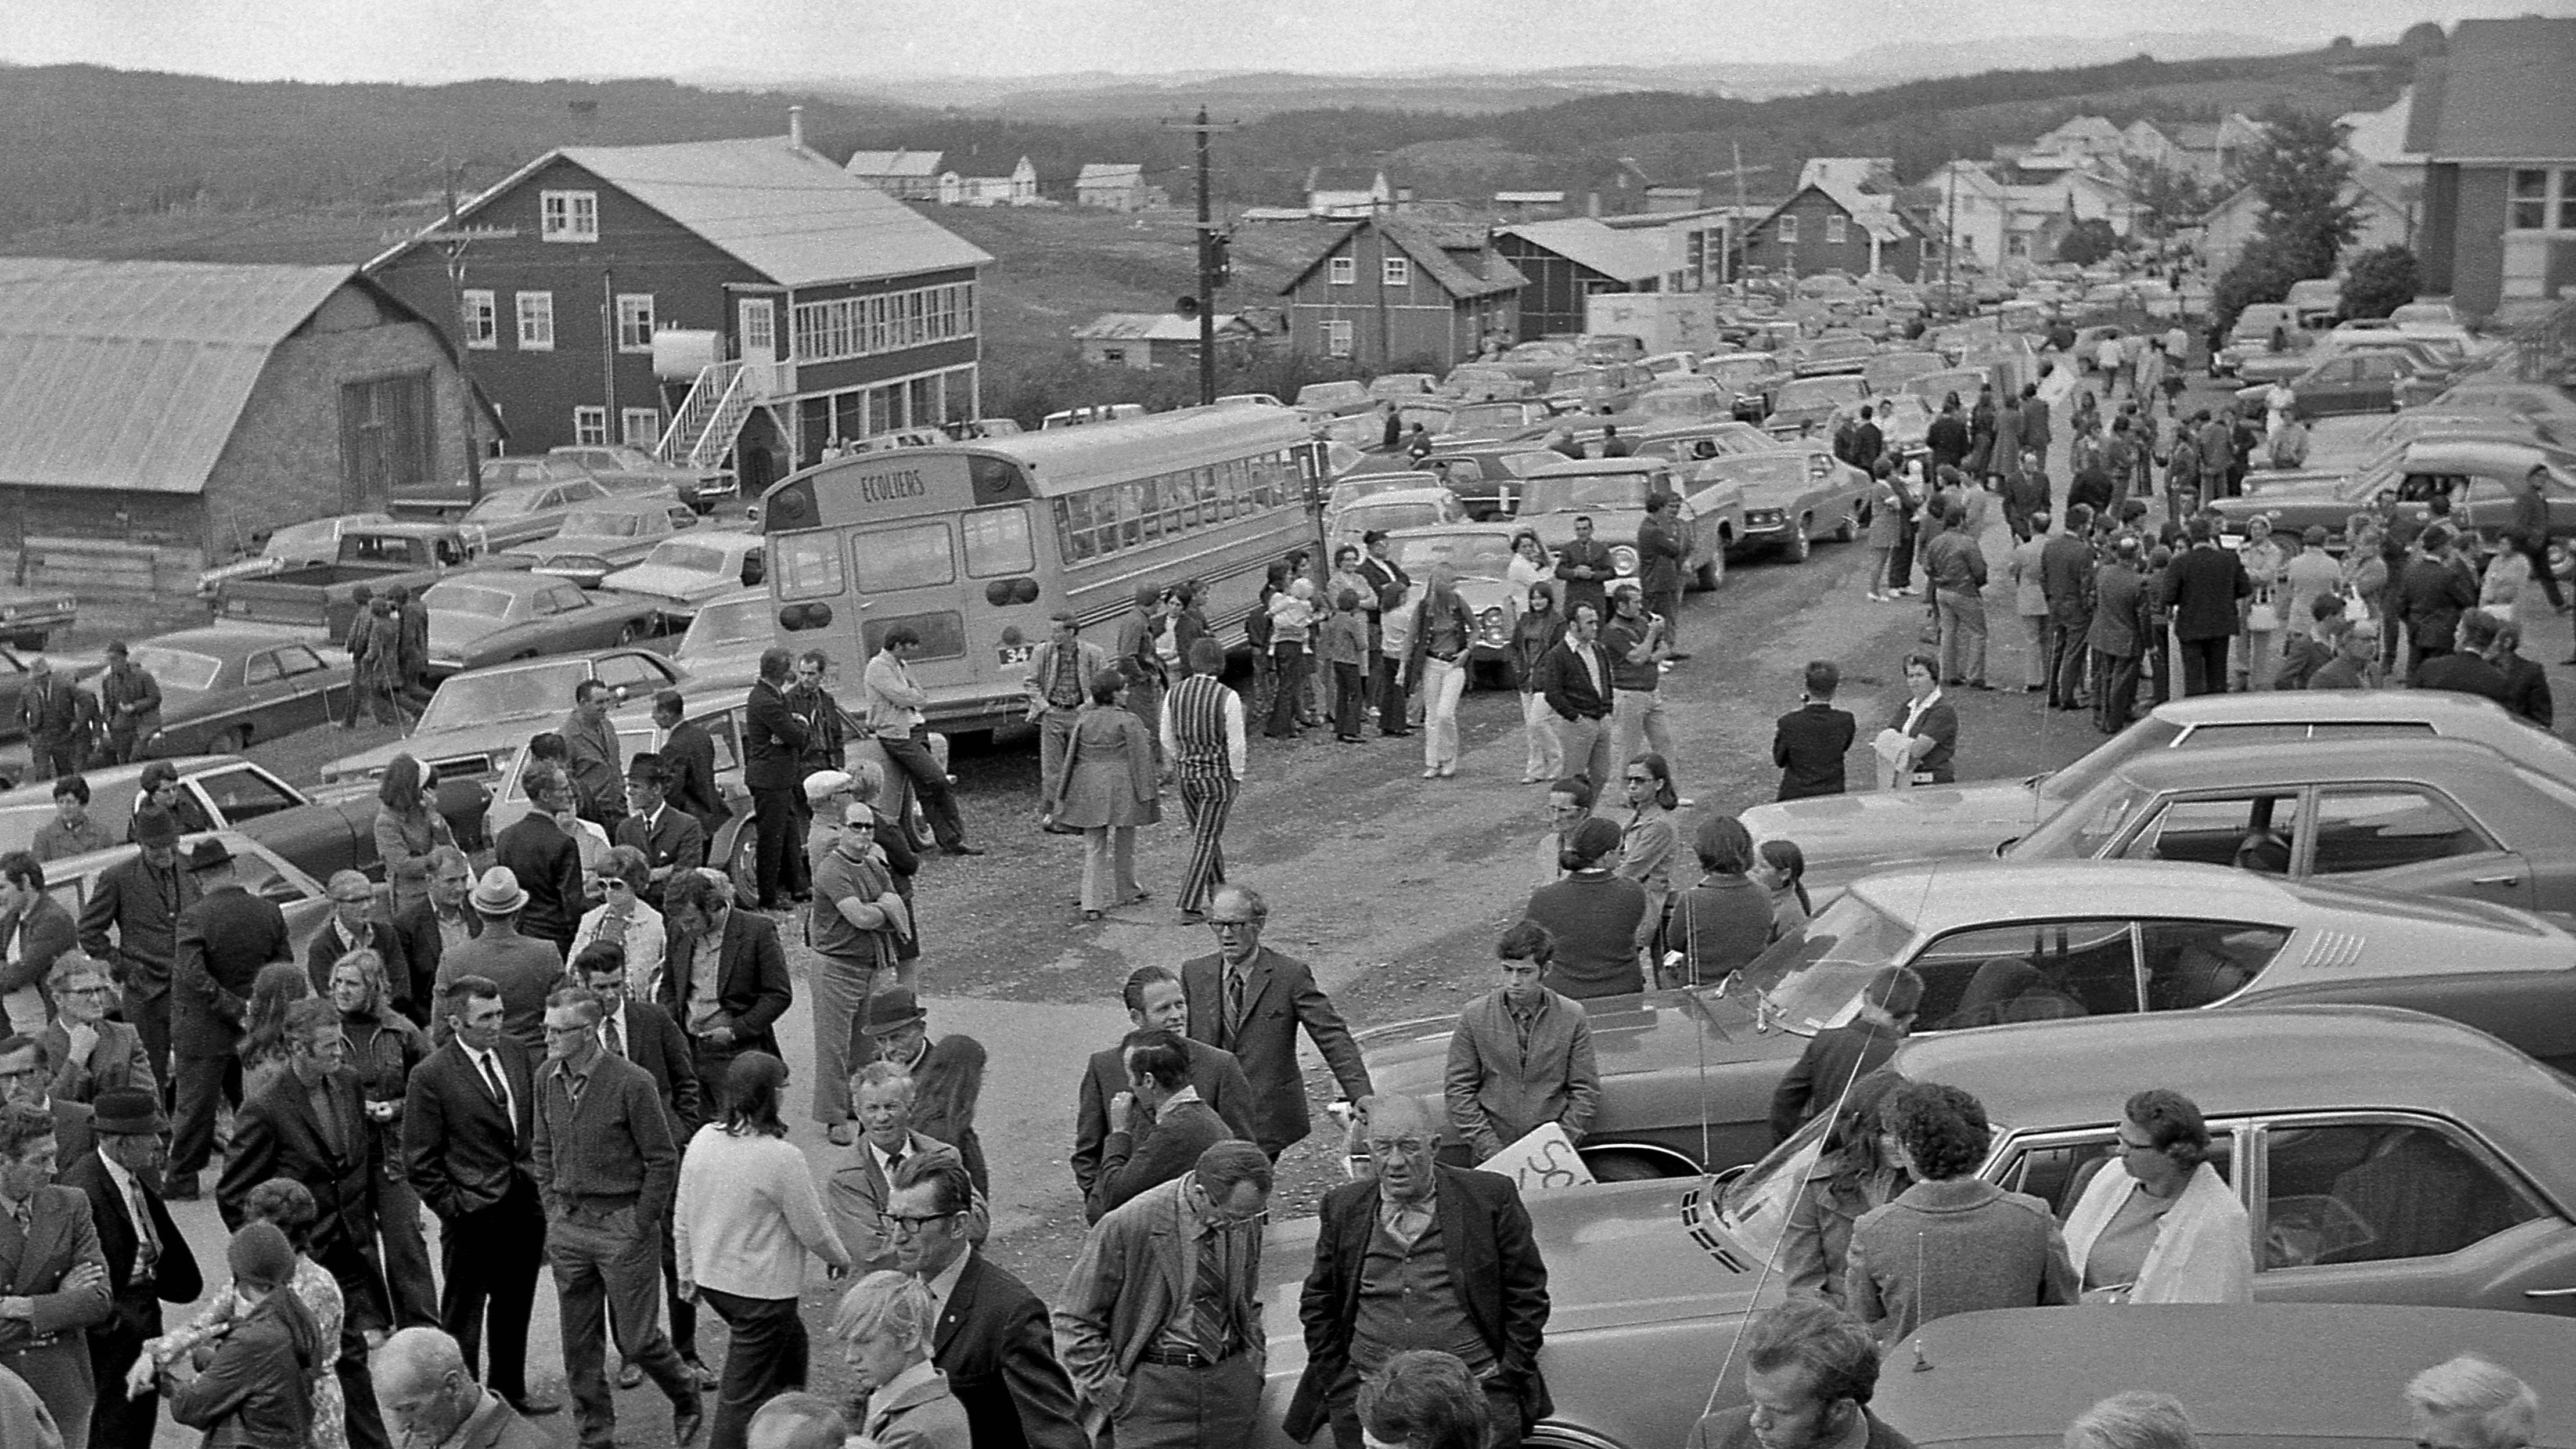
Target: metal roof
924, 164
1622, 255
1110, 173
1147, 327
133, 375
2506, 96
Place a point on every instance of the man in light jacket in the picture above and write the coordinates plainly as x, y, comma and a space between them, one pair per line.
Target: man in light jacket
1058, 682
1522, 1056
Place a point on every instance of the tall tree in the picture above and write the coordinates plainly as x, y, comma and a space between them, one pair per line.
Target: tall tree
2298, 175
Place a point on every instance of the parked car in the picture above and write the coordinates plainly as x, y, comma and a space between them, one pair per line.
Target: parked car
2244, 1370
684, 572
2474, 472
297, 545
1688, 1076
449, 499
470, 726
336, 831
2254, 331
1536, 362
297, 893
1503, 418
1683, 398
597, 539
1612, 492
1322, 402
512, 516
1792, 496
1398, 386
1700, 441
226, 685
634, 473
1390, 510
376, 557
2342, 380
1749, 377
722, 645
1485, 381
1833, 356
494, 617
1891, 371
1807, 405
1596, 388
1846, 836
1481, 555
1485, 476
2382, 1156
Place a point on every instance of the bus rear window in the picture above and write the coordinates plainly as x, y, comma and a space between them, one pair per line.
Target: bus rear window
809, 564
913, 556
997, 542
943, 634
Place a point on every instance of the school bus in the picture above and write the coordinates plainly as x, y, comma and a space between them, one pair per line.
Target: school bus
977, 545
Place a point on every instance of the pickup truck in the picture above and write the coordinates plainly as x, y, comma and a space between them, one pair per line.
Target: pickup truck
324, 596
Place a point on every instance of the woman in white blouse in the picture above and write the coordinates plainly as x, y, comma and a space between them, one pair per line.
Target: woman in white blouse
624, 919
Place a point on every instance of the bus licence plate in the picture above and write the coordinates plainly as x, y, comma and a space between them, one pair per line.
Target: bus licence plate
1012, 654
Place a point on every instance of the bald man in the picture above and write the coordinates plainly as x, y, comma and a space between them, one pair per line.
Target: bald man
428, 1396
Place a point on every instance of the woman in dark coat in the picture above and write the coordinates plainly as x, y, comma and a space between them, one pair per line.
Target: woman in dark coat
251, 1388
1721, 924
1110, 788
383, 1048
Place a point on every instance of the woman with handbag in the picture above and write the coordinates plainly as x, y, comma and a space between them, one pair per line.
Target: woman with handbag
2259, 638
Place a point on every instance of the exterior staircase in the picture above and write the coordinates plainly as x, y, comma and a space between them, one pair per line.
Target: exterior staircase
702, 431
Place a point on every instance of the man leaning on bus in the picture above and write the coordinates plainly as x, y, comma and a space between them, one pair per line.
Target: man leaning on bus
894, 716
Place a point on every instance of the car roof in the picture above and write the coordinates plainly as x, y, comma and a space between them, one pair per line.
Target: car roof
2410, 757
1394, 496
70, 866
2315, 1374
1579, 467
508, 581
1948, 895
2319, 706
624, 504
1502, 529
2256, 1060
223, 638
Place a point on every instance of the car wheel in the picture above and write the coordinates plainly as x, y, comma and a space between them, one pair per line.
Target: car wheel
1848, 529
1799, 545
1613, 1165
1713, 572
231, 742
745, 865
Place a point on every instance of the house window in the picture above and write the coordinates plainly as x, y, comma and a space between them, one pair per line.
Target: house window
640, 427
2538, 196
1833, 231
634, 321
1787, 232
482, 320
537, 324
568, 216
590, 427
1342, 271
1337, 339
1398, 271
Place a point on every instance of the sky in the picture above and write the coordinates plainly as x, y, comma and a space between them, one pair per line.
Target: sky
444, 40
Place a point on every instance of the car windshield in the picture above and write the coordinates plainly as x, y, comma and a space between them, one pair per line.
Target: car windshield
719, 625
297, 539
1765, 470
1389, 516
1734, 371
472, 599
2145, 737
600, 523
1820, 392
513, 504
1767, 1190
466, 700
2086, 825
1679, 402
1473, 555
1352, 490
1487, 417
1539, 352
178, 669
693, 558
1884, 372
1574, 492
627, 460
1813, 979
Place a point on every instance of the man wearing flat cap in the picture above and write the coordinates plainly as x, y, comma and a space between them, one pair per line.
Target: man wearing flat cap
671, 839
141, 900
148, 1261
223, 941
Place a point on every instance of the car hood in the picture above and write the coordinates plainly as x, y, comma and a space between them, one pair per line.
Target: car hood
498, 741
1845, 837
661, 581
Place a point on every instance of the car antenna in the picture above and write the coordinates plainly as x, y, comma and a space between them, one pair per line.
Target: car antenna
1922, 1365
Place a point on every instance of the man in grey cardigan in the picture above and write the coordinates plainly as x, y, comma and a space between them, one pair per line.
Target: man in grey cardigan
1521, 1056
1953, 1242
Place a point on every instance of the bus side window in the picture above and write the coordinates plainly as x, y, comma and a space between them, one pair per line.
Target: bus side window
1205, 478
1132, 501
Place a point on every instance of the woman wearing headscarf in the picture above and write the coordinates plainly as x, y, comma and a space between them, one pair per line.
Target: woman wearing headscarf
253, 1386
624, 919
1111, 786
884, 1324
2160, 1225
408, 824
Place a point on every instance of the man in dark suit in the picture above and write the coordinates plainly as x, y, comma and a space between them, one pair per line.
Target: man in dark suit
2066, 576
1809, 742
1250, 1000
426, 925
1574, 678
2201, 587
546, 861
141, 898
353, 926
688, 757
148, 1261
772, 739
51, 1265
90, 1054
1838, 1056
469, 1138
223, 941
2118, 637
1155, 1002
310, 1124
724, 978
2465, 668
672, 840
34, 931
992, 1338
1183, 1126
2432, 592
644, 1034
1482, 1284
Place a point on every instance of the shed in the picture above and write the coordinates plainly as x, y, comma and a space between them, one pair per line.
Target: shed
1143, 340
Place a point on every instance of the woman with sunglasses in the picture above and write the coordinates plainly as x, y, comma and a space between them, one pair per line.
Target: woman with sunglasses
625, 919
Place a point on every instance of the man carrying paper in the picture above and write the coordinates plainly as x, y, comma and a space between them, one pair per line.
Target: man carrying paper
1522, 1056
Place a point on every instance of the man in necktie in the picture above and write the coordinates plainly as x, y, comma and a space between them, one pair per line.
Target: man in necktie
1159, 1323
148, 1261
881, 1096
1421, 1256
1251, 1001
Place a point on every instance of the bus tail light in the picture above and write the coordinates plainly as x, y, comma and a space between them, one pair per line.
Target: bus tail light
1001, 593
798, 617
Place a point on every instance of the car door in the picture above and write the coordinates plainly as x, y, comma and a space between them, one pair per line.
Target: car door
2375, 381
2255, 828
634, 674
2410, 839
2401, 1207
2328, 389
311, 688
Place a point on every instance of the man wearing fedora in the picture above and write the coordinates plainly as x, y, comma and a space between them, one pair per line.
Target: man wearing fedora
671, 839
223, 941
140, 899
947, 1074
524, 967
148, 1261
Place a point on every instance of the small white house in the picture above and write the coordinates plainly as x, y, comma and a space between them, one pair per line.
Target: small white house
1111, 186
911, 175
1020, 188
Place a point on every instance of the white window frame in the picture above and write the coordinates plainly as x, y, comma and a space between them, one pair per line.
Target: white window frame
568, 216
1785, 231
480, 318
1337, 338
1395, 271
590, 427
1342, 271
536, 315
640, 427
635, 322
2557, 198
1835, 230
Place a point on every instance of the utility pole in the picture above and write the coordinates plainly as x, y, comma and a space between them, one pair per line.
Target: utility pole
1727, 269
1950, 242
1209, 245
454, 239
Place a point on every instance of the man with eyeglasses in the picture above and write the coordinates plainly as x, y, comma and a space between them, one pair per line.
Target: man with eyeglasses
310, 1125
1159, 1317
608, 1173
1569, 804
992, 1340
1250, 1000
89, 1053
354, 926
25, 1072
1421, 1256
857, 920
